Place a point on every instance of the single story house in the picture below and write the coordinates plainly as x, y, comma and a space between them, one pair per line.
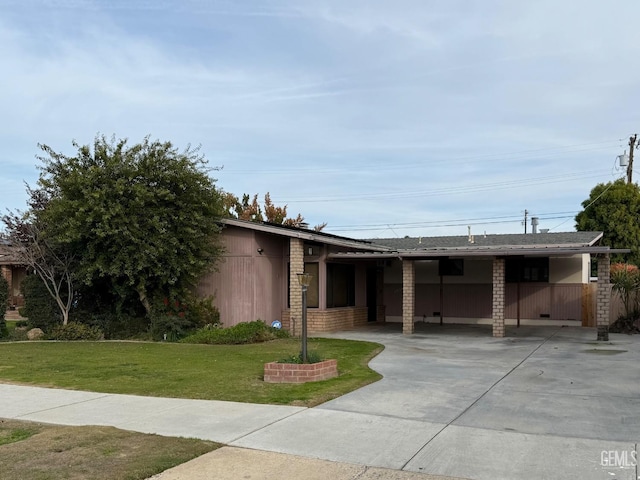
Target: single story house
14, 272
539, 278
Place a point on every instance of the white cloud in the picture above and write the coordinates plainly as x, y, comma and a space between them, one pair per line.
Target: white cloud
326, 99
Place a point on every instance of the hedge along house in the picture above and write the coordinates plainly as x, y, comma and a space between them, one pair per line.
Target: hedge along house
497, 279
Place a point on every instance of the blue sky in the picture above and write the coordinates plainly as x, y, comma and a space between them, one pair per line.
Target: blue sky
382, 118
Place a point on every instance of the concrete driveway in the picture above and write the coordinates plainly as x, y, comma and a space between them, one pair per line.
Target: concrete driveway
544, 402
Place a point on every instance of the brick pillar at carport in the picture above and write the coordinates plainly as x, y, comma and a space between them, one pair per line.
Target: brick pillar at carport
603, 297
296, 266
498, 297
408, 296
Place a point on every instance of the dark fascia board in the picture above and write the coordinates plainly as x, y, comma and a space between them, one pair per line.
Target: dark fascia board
550, 251
304, 234
565, 239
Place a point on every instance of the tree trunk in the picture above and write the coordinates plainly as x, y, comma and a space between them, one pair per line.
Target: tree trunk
142, 293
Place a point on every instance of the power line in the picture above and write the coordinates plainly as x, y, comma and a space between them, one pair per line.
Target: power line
503, 219
510, 157
462, 224
542, 216
449, 190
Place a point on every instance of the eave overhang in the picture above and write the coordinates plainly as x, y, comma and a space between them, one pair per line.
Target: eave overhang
430, 254
307, 235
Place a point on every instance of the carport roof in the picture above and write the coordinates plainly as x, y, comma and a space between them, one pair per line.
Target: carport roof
564, 239
539, 244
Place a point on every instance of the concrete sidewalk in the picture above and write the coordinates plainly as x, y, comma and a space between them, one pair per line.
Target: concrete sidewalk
545, 402
232, 463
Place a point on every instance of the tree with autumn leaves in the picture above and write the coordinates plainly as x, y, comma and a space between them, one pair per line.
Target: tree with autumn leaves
249, 209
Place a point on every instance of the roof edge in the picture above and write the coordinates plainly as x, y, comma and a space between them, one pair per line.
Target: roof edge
304, 234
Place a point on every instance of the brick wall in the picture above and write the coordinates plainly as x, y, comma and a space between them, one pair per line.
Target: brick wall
603, 298
408, 296
7, 272
300, 373
497, 306
331, 320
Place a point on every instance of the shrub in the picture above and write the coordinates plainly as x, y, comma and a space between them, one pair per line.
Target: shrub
75, 331
170, 327
202, 312
4, 304
312, 357
176, 319
40, 309
246, 332
118, 325
18, 334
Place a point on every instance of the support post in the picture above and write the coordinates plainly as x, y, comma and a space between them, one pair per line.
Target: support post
296, 266
305, 358
603, 297
498, 297
408, 296
441, 299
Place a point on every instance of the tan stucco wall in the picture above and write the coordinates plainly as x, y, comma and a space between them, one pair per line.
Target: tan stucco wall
573, 269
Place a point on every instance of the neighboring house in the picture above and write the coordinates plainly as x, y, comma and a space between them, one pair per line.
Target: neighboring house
497, 279
13, 271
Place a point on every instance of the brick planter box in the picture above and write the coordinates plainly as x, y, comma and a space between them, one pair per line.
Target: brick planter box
275, 372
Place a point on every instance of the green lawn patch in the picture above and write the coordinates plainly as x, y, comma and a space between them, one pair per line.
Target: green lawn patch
11, 325
211, 372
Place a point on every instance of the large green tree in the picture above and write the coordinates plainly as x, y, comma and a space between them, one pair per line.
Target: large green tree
614, 209
143, 217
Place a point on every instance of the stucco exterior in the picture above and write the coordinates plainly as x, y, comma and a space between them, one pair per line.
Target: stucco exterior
467, 298
498, 280
257, 279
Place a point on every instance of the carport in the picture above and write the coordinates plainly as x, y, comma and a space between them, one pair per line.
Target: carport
498, 255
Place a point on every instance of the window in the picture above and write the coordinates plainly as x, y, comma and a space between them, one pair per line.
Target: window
535, 269
312, 289
341, 285
313, 294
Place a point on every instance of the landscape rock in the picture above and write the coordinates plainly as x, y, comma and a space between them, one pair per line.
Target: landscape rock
35, 334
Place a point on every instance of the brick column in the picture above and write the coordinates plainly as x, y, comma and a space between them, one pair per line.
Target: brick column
498, 297
296, 266
603, 297
7, 273
408, 296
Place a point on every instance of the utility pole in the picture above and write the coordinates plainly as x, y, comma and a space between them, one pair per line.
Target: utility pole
632, 146
526, 212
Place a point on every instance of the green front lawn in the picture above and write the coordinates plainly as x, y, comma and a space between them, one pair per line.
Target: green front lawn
212, 372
